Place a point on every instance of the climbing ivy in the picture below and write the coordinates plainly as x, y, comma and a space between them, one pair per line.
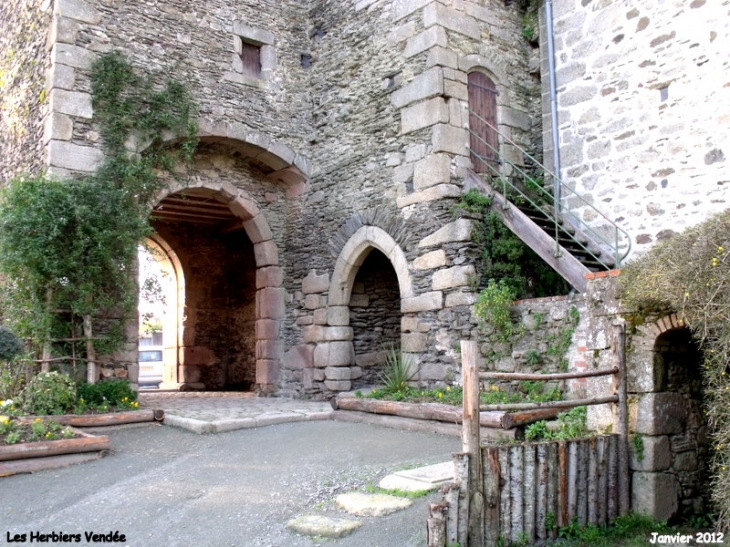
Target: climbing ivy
67, 248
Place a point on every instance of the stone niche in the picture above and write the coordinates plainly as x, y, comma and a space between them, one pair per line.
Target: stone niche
670, 454
375, 315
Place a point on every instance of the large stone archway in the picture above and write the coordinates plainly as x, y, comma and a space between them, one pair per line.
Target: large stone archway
233, 299
244, 238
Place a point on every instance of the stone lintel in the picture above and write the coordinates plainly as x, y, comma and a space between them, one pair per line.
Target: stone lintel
315, 283
338, 316
71, 103
269, 349
450, 139
424, 86
267, 329
266, 253
73, 56
434, 193
431, 170
269, 276
431, 261
456, 276
267, 373
77, 10
334, 354
270, 303
423, 41
83, 159
456, 21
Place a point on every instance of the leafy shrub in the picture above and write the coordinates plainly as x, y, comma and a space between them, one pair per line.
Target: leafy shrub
49, 393
504, 256
571, 425
12, 378
12, 370
10, 345
111, 393
493, 308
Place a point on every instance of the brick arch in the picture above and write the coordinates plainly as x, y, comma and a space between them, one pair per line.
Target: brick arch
352, 256
648, 333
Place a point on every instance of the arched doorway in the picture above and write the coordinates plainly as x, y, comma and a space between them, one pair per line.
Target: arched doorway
216, 338
161, 302
375, 315
670, 448
677, 362
370, 260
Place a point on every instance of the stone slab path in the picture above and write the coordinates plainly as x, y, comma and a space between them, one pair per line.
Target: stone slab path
419, 479
215, 412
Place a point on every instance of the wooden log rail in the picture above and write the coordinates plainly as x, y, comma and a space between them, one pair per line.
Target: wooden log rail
96, 420
586, 480
546, 377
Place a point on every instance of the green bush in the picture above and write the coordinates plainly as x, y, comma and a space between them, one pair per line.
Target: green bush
49, 393
493, 308
111, 393
12, 378
571, 425
12, 370
10, 345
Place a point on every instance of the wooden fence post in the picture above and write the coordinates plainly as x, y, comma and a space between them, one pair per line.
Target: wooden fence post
471, 442
622, 426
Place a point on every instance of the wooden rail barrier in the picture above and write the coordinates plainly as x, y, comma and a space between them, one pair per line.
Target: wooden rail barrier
524, 492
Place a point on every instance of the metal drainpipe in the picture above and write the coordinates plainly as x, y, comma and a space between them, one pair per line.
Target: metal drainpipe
553, 116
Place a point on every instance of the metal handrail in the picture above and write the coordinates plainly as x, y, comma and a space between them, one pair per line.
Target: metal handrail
621, 239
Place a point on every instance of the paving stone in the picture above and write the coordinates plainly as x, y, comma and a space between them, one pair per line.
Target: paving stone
316, 525
429, 477
371, 505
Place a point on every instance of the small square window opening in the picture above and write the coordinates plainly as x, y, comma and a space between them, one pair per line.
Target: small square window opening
251, 59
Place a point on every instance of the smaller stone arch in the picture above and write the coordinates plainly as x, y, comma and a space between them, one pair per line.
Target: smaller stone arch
174, 308
664, 380
352, 256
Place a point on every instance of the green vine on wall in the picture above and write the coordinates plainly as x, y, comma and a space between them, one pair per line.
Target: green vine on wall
67, 248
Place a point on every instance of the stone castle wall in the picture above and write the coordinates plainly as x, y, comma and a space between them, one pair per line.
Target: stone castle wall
642, 93
355, 133
24, 60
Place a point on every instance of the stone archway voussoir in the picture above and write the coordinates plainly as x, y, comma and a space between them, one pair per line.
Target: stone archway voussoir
258, 229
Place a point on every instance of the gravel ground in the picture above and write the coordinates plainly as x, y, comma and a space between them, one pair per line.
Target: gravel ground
163, 486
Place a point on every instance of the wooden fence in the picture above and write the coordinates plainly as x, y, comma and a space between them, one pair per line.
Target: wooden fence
522, 493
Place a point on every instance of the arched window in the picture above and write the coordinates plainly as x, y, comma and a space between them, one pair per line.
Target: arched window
484, 142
